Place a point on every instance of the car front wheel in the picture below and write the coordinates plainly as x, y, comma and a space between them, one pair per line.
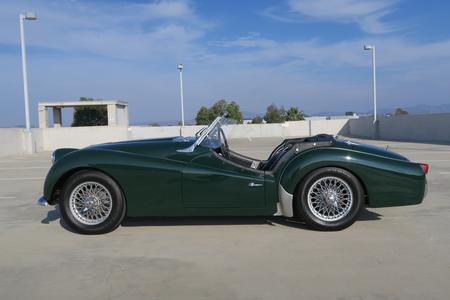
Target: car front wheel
92, 203
329, 199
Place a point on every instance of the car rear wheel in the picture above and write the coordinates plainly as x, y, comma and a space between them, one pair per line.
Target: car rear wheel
329, 199
92, 203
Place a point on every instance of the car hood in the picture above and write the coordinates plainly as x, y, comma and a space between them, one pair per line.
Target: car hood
348, 144
161, 147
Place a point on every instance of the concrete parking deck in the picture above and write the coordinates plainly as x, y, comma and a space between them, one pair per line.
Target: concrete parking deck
390, 253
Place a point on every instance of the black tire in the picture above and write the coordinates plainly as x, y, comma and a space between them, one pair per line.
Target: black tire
118, 207
306, 213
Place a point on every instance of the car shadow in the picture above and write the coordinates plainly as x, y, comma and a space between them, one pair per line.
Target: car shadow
367, 215
187, 221
213, 221
55, 215
52, 215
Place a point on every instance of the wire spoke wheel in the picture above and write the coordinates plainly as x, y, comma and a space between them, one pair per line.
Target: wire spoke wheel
330, 198
90, 203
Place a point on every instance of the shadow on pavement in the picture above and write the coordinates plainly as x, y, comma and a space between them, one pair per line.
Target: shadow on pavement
367, 215
55, 215
176, 221
52, 215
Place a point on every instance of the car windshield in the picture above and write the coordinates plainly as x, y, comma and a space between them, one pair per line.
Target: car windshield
213, 135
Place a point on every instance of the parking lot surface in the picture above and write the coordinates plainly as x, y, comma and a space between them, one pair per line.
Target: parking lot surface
389, 253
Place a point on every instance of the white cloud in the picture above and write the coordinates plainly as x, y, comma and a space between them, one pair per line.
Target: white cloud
126, 31
367, 14
166, 9
130, 51
393, 53
252, 40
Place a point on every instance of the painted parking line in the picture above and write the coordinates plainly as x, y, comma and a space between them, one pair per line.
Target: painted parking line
444, 173
24, 168
22, 178
7, 197
15, 161
437, 160
423, 152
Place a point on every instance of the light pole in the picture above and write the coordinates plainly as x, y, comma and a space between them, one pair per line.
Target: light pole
27, 16
374, 78
180, 67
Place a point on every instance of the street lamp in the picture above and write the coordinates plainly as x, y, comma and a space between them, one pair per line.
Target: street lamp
374, 78
27, 16
180, 67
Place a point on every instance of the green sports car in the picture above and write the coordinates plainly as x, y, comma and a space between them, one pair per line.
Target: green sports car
322, 180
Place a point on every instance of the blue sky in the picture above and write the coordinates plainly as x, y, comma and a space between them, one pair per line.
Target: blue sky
305, 53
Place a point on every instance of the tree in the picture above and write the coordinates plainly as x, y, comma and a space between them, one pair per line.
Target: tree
275, 114
218, 108
206, 115
257, 120
400, 112
234, 112
294, 114
202, 116
90, 115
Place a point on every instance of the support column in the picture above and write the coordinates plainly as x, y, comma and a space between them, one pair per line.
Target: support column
43, 118
112, 115
57, 117
125, 116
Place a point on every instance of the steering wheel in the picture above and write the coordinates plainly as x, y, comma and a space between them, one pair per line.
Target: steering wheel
224, 148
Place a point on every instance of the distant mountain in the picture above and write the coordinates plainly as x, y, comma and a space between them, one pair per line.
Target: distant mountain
248, 115
163, 123
413, 110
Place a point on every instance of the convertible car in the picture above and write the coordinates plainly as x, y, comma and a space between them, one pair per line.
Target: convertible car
322, 180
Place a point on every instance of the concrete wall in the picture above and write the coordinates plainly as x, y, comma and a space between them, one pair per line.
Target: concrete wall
416, 128
327, 126
78, 137
434, 128
288, 129
12, 141
15, 141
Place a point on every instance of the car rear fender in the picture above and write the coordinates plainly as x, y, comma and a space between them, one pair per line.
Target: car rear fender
387, 181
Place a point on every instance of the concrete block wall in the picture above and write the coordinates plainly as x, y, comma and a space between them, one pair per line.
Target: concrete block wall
327, 126
433, 128
78, 137
49, 139
12, 141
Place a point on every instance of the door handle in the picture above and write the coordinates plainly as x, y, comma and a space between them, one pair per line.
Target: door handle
252, 184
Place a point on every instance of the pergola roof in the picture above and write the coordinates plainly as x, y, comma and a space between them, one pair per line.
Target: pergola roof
83, 103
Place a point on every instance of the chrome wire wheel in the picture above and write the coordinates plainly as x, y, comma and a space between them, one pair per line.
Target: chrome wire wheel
90, 203
330, 198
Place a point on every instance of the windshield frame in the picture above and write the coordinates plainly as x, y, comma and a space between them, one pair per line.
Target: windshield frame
203, 135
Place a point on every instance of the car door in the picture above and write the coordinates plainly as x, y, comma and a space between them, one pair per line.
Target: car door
211, 181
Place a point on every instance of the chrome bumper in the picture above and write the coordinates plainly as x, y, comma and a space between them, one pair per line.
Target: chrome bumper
42, 202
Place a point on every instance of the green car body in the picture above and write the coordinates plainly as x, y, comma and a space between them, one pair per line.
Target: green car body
157, 179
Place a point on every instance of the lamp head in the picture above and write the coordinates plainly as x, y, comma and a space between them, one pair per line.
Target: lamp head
180, 67
30, 16
368, 47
